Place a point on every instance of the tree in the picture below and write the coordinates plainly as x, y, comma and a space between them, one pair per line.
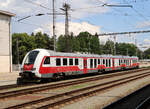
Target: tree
108, 47
147, 53
27, 43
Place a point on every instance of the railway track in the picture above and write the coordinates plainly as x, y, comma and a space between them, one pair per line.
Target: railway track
33, 89
145, 104
62, 98
7, 87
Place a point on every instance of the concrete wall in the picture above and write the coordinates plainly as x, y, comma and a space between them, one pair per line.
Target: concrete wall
5, 55
4, 64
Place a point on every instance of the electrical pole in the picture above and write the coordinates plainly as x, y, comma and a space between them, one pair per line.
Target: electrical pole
136, 46
114, 45
17, 46
127, 52
54, 17
66, 8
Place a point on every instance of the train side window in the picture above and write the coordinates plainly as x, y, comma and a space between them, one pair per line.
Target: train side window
58, 62
71, 61
103, 61
47, 60
64, 61
76, 62
98, 61
109, 63
106, 63
91, 63
95, 63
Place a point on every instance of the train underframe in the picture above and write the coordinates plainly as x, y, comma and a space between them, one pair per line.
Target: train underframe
28, 77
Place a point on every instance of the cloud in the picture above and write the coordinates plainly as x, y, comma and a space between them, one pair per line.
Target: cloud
38, 30
147, 40
143, 24
76, 28
83, 8
16, 6
26, 7
5, 3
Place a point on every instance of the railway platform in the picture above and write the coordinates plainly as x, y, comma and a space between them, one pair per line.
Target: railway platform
8, 78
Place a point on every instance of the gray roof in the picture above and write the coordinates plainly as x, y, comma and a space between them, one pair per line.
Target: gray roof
7, 13
53, 53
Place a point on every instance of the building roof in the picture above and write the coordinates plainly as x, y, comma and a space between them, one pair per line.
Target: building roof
7, 13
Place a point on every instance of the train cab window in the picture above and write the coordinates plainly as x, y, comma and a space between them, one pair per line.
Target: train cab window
76, 62
47, 60
64, 61
70, 61
95, 63
91, 63
119, 62
58, 62
99, 61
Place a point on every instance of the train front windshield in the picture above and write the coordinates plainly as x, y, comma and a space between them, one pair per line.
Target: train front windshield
30, 59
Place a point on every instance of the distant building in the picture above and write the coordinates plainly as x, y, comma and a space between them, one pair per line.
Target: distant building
5, 41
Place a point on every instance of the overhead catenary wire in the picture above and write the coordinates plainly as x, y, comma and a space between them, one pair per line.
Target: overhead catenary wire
121, 33
138, 13
31, 2
31, 24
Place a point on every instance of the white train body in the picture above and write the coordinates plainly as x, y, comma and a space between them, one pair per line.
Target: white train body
41, 63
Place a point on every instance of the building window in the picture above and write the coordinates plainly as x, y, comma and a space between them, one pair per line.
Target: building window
76, 62
47, 60
64, 61
70, 61
58, 62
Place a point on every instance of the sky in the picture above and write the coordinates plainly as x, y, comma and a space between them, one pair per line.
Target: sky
85, 15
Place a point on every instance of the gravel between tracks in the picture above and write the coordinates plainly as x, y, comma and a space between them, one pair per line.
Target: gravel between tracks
109, 96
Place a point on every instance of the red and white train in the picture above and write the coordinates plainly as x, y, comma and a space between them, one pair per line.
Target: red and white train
44, 64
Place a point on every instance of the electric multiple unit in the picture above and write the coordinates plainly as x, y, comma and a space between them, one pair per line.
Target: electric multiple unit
44, 64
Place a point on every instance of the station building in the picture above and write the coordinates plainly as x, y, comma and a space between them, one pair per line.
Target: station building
5, 41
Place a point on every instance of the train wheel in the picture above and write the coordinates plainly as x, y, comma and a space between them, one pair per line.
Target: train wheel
19, 81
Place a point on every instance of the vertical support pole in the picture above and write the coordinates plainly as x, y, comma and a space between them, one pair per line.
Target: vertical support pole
114, 45
54, 17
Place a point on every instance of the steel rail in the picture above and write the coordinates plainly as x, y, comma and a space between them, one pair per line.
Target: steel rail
144, 104
63, 84
63, 101
70, 93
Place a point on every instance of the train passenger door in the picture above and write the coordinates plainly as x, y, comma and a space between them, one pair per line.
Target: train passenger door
113, 63
85, 66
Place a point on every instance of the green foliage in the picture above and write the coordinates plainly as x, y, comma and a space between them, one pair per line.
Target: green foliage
28, 42
147, 54
84, 42
108, 47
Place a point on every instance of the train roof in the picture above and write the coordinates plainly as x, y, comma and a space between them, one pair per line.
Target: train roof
53, 53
